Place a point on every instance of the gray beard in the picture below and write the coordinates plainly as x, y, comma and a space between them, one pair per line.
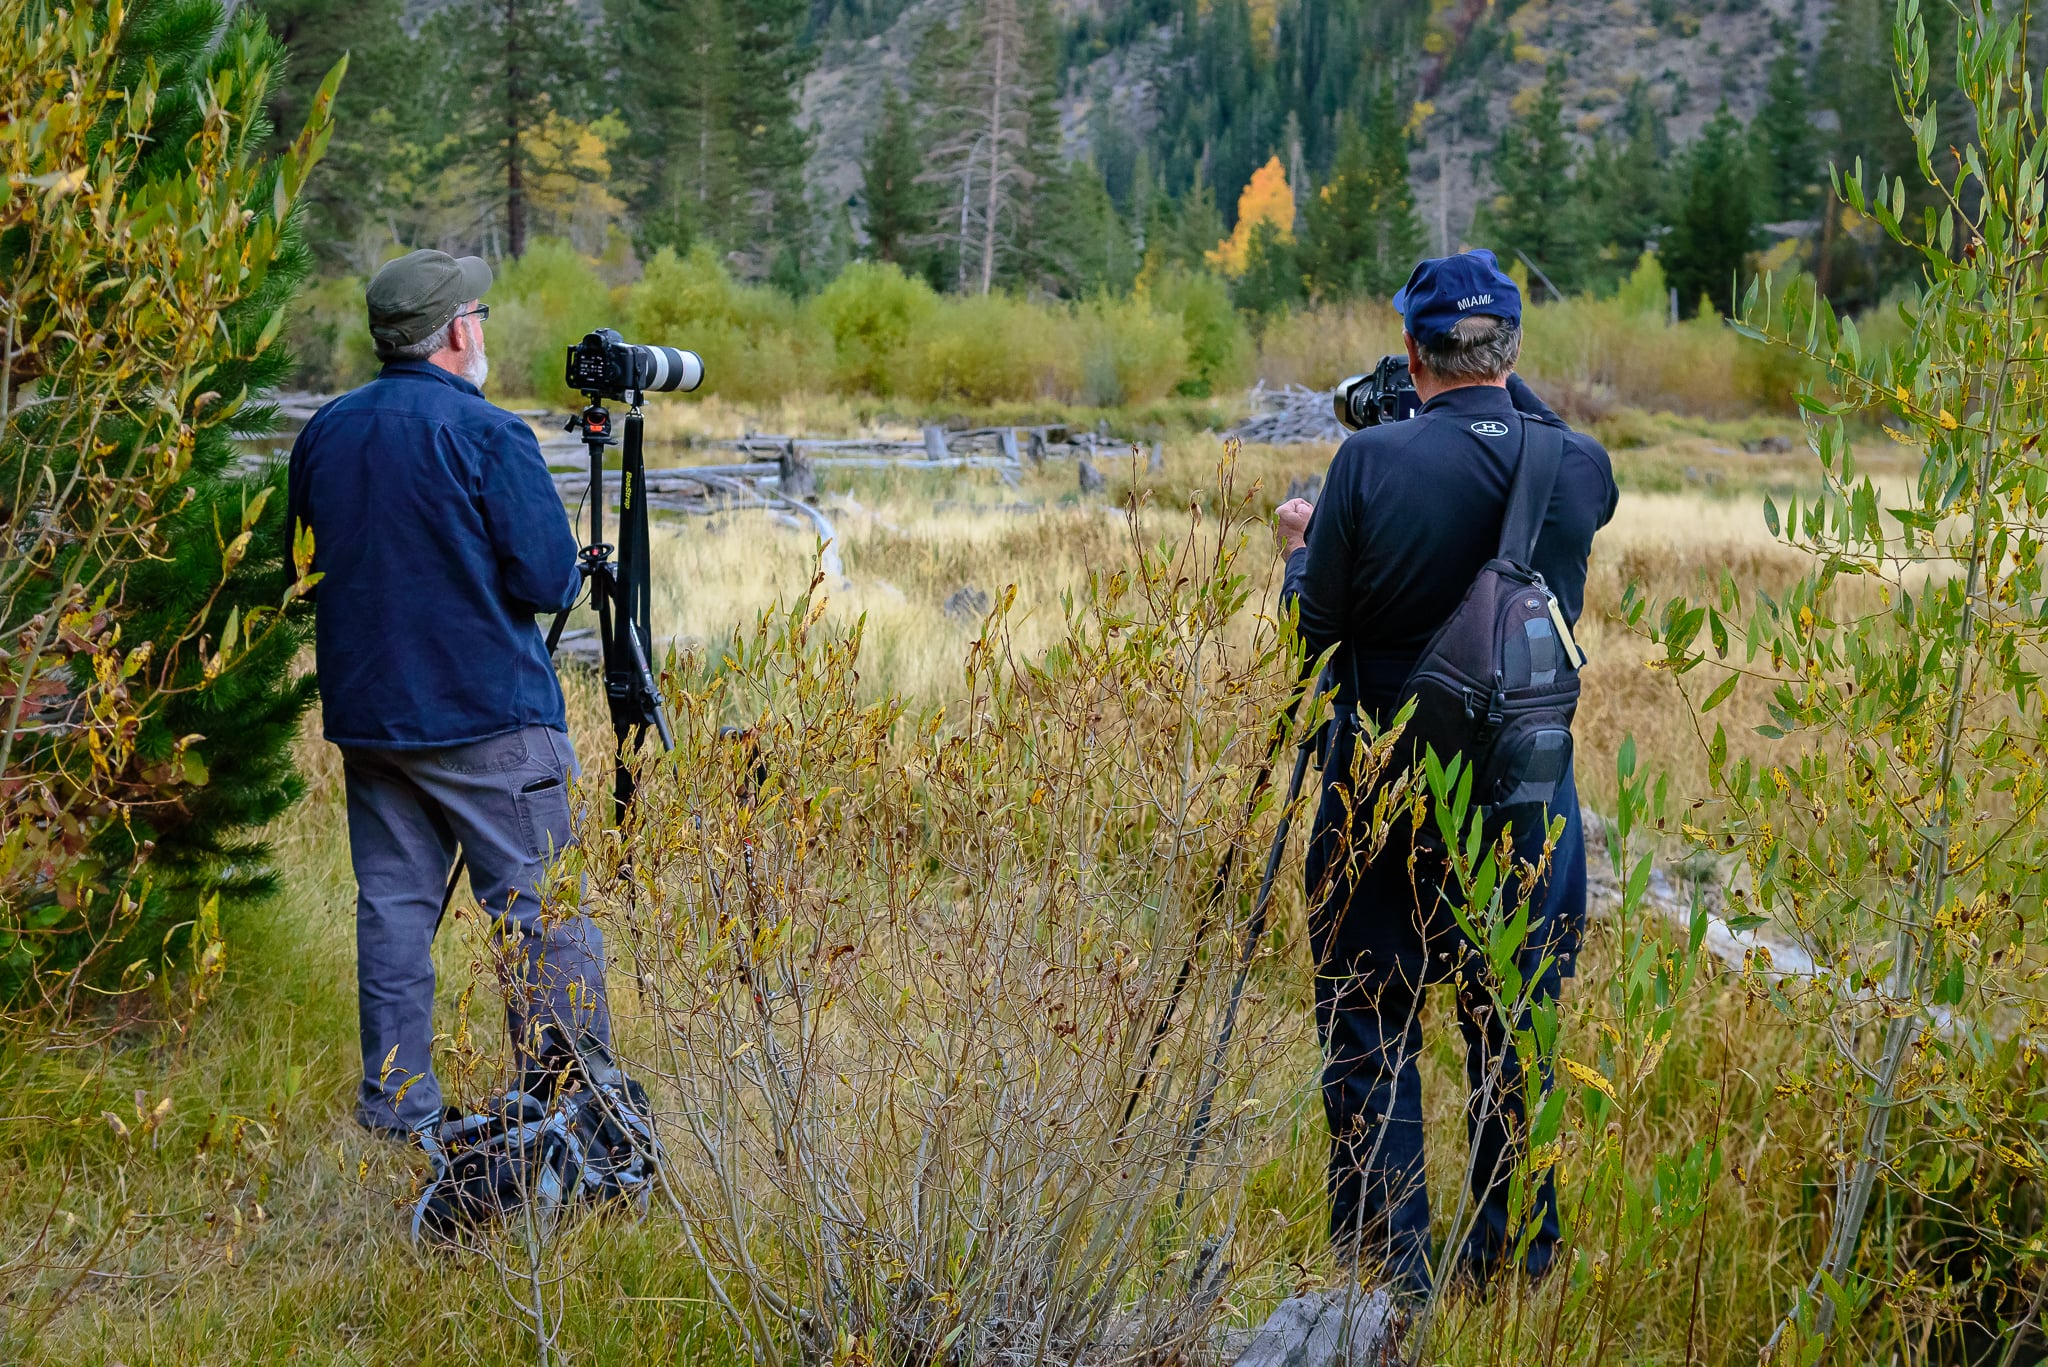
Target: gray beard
476, 367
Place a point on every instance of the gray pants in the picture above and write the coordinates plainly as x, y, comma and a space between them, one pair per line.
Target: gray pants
505, 801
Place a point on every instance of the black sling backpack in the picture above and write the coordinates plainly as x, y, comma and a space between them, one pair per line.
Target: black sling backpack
1500, 680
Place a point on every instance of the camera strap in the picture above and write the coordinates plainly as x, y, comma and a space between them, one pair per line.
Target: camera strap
1536, 466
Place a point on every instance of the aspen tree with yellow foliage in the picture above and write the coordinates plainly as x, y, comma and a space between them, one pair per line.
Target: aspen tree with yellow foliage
1267, 199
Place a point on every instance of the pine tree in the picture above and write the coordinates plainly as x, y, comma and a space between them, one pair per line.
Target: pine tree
1360, 233
505, 64
891, 197
710, 94
1785, 155
343, 202
1271, 279
678, 101
1532, 166
769, 62
1623, 193
1180, 233
1088, 246
1713, 227
1222, 112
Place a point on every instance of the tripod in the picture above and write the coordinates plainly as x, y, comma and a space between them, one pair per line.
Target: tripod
621, 593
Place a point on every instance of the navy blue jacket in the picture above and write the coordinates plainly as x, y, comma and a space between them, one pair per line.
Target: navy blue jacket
440, 539
1408, 514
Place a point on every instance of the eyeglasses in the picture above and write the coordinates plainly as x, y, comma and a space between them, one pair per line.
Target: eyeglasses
481, 312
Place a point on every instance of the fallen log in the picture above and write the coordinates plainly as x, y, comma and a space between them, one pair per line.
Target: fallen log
1351, 1327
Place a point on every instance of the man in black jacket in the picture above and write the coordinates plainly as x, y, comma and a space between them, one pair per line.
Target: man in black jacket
1409, 513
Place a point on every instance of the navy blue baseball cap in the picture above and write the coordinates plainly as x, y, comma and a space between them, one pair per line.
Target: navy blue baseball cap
1445, 289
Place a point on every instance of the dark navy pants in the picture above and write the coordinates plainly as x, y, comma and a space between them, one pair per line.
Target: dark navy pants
1381, 935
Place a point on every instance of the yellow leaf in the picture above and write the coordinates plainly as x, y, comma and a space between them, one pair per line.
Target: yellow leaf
1947, 420
1590, 1077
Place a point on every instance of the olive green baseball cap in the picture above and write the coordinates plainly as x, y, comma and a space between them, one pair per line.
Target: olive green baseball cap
416, 294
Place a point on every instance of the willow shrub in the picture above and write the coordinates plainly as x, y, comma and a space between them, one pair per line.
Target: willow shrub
904, 972
1896, 831
872, 310
757, 345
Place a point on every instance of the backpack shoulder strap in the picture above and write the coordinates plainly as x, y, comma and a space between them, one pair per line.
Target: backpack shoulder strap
1529, 497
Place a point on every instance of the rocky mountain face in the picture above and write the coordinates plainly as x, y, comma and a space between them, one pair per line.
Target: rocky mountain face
1689, 62
1473, 72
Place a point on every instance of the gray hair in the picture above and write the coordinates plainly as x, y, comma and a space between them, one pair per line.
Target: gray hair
1481, 348
424, 349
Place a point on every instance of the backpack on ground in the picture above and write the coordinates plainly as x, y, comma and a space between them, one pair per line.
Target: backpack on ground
1499, 681
591, 1141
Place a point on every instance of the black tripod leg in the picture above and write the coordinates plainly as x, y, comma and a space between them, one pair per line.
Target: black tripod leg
448, 893
1254, 931
1283, 726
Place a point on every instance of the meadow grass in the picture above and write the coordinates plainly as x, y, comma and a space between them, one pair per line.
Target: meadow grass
252, 1222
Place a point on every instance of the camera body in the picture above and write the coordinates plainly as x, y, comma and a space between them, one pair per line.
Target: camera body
1386, 395
605, 365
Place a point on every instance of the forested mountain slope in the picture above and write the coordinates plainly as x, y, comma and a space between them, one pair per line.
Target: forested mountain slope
1224, 85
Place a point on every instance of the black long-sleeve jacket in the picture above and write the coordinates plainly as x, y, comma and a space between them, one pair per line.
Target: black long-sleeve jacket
1408, 514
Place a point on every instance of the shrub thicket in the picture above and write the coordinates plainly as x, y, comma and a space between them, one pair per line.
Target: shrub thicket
877, 332
872, 311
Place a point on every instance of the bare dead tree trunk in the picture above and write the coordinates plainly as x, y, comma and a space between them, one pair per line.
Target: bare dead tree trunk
999, 45
515, 180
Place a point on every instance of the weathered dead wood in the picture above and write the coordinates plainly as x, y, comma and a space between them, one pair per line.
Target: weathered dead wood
1346, 1328
1290, 416
796, 478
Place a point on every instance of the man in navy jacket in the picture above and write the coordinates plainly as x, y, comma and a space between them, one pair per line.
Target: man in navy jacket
440, 544
1408, 514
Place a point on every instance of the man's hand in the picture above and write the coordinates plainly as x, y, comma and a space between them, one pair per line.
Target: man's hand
1290, 524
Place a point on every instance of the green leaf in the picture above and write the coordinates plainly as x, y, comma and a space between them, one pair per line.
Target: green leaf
1720, 693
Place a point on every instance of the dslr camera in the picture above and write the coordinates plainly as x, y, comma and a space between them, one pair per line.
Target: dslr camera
605, 365
1386, 395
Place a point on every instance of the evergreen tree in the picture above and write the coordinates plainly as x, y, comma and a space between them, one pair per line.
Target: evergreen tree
769, 63
1532, 166
710, 95
1222, 111
504, 65
1088, 246
1180, 233
343, 201
1622, 193
892, 199
1713, 226
1360, 234
677, 98
1784, 154
1272, 278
